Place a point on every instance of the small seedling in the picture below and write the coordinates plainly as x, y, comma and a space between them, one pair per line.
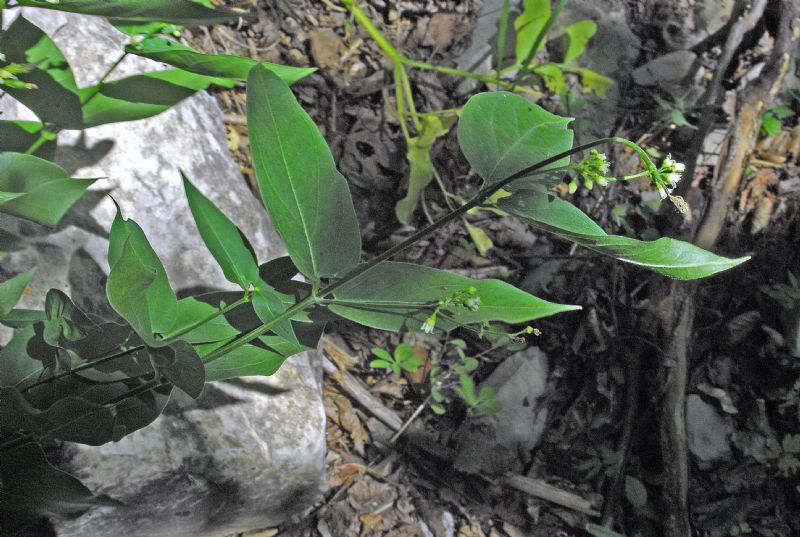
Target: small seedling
484, 401
404, 359
742, 528
771, 122
786, 454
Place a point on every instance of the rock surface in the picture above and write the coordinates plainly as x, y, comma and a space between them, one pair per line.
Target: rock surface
247, 454
494, 444
709, 433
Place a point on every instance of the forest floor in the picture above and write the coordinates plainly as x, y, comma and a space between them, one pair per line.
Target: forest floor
602, 454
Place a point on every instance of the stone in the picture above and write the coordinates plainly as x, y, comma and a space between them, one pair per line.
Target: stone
248, 453
497, 444
709, 433
667, 70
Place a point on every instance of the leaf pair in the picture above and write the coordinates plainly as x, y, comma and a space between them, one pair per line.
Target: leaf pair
53, 95
186, 12
35, 189
311, 208
502, 134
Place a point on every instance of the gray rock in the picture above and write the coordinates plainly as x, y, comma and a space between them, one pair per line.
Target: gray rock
709, 433
499, 443
247, 454
666, 70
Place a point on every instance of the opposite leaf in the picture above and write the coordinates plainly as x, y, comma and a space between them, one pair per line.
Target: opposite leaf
529, 24
224, 240
307, 198
670, 257
30, 484
578, 34
44, 191
400, 296
176, 11
53, 95
501, 134
216, 65
11, 291
180, 365
141, 96
137, 286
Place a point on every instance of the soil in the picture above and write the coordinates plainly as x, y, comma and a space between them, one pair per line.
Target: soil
602, 440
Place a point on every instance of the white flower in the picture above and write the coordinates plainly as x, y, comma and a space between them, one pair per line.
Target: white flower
673, 178
680, 167
429, 324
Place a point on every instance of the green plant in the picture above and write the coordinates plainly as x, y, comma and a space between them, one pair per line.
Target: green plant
742, 528
785, 453
771, 120
484, 401
75, 376
404, 359
532, 28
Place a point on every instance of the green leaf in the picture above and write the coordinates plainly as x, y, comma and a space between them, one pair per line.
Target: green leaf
501, 134
191, 311
45, 190
16, 365
11, 291
382, 353
137, 286
54, 98
578, 35
592, 80
141, 96
186, 12
782, 111
30, 485
246, 360
482, 241
64, 321
268, 304
216, 65
72, 419
224, 240
670, 257
18, 136
529, 25
771, 125
419, 159
635, 492
307, 198
553, 77
600, 531
181, 365
396, 296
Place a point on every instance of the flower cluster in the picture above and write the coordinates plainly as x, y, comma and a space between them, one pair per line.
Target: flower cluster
8, 76
592, 169
668, 176
466, 298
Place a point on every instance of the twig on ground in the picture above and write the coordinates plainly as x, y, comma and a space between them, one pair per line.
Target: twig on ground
531, 486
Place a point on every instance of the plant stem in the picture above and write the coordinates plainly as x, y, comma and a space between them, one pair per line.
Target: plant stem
221, 311
120, 354
83, 367
39, 142
539, 40
488, 79
259, 331
103, 78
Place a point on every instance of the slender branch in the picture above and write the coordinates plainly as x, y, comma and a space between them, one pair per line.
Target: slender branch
487, 79
539, 40
103, 78
83, 367
220, 311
